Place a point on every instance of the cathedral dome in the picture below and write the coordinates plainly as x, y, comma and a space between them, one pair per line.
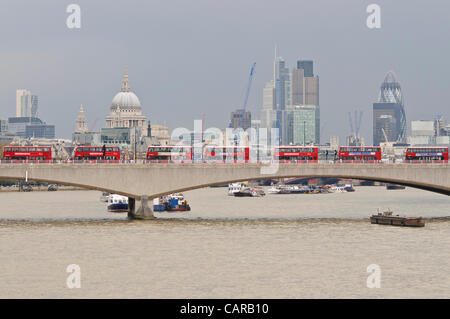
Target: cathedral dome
125, 99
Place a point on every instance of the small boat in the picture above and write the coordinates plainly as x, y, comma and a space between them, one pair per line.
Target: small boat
387, 218
280, 189
234, 188
349, 188
52, 188
337, 189
117, 204
394, 186
26, 188
104, 197
171, 203
249, 192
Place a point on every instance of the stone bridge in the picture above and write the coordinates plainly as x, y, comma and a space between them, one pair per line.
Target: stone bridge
148, 181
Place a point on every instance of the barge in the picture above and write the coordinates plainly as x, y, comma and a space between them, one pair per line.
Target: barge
171, 203
386, 218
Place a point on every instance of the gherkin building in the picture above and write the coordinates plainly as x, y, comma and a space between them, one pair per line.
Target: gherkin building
389, 117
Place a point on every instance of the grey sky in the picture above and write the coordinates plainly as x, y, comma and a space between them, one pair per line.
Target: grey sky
186, 58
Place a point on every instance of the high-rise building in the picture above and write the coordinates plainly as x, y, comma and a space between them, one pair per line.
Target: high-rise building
389, 117
297, 81
303, 123
440, 125
81, 122
240, 119
305, 86
268, 112
304, 92
286, 92
26, 104
282, 84
34, 105
307, 67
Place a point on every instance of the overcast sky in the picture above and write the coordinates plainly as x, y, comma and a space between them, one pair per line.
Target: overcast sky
186, 58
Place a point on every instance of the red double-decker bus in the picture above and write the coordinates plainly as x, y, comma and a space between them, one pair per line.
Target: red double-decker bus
176, 153
27, 153
360, 153
95, 153
234, 154
296, 153
427, 154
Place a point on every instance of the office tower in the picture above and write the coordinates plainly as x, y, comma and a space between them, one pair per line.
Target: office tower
439, 125
297, 79
304, 92
240, 119
287, 91
282, 96
282, 84
307, 67
303, 123
34, 106
389, 118
305, 86
26, 104
268, 113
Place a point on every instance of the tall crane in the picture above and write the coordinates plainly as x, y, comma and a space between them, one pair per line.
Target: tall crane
250, 79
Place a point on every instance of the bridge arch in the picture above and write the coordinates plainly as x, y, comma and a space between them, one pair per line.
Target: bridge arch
137, 180
421, 186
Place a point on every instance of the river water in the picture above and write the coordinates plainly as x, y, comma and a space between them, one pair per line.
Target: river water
277, 246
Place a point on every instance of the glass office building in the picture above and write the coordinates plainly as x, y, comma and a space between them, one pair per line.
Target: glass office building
304, 125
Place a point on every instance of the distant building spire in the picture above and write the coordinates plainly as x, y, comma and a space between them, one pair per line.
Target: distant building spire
81, 122
125, 81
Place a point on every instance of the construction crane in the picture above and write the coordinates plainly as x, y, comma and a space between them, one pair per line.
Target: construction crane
93, 124
250, 79
352, 132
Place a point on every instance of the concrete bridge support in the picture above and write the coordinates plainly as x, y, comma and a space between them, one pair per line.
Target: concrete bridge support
131, 207
144, 211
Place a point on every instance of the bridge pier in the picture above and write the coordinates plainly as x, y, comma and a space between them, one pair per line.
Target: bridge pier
144, 211
131, 207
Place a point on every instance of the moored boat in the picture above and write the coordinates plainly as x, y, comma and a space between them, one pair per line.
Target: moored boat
250, 192
104, 197
234, 188
387, 218
117, 203
171, 203
394, 186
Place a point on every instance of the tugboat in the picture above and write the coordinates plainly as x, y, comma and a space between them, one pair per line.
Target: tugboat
171, 203
386, 218
117, 204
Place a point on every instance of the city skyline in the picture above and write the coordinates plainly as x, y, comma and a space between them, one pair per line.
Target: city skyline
64, 71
